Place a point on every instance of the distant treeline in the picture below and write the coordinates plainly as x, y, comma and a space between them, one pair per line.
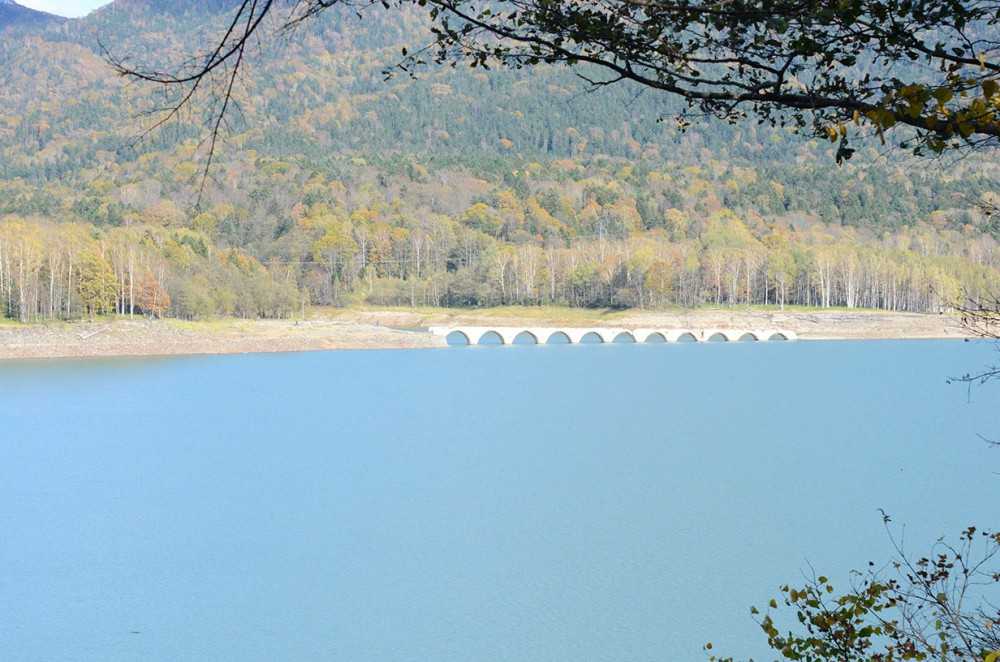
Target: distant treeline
70, 270
598, 236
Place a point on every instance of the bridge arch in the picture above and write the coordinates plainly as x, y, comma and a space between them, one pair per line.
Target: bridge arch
490, 337
748, 336
591, 338
653, 337
714, 335
681, 335
524, 338
558, 338
623, 337
457, 338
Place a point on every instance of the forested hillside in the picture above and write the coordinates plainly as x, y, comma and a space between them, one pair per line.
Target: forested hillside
460, 187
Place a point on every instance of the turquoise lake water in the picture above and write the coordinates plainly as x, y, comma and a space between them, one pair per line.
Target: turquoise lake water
481, 503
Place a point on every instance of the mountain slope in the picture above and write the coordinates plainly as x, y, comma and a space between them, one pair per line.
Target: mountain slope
319, 93
13, 15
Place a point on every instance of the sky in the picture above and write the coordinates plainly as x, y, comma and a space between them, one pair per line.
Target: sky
72, 8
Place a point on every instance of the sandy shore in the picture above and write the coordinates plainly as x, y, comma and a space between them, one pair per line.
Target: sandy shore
374, 329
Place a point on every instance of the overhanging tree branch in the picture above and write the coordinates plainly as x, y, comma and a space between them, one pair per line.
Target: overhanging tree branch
831, 66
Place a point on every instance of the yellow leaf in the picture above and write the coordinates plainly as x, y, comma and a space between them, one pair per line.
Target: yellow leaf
942, 95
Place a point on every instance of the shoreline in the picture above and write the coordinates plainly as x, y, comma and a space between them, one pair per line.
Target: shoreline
381, 329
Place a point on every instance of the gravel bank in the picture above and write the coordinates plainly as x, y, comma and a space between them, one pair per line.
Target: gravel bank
372, 330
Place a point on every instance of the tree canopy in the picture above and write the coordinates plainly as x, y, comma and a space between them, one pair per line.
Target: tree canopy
835, 67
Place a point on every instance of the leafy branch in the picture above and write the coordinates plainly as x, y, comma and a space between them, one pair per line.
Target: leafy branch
935, 607
839, 68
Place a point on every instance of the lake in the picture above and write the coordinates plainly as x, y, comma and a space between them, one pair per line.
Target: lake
497, 503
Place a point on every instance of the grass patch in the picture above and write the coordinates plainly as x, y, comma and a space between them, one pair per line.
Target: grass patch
41, 324
831, 309
553, 314
205, 324
550, 313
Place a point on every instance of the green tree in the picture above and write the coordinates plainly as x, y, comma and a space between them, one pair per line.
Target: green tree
659, 280
206, 223
336, 250
96, 284
484, 218
584, 280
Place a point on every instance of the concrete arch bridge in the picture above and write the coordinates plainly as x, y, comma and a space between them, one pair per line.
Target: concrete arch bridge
509, 335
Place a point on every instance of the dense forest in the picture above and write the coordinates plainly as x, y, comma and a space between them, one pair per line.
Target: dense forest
458, 187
